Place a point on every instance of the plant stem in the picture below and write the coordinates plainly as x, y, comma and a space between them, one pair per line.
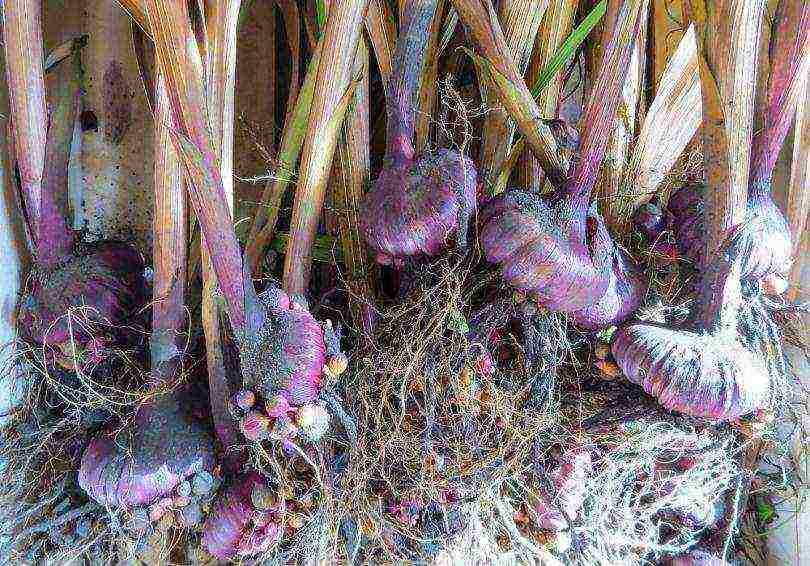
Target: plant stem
557, 24
180, 62
480, 18
728, 37
221, 24
351, 175
22, 41
342, 34
170, 245
292, 140
382, 32
600, 112
788, 49
520, 20
401, 98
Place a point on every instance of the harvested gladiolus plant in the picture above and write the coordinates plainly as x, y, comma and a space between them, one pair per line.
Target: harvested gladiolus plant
419, 203
770, 252
158, 466
82, 298
559, 251
420, 282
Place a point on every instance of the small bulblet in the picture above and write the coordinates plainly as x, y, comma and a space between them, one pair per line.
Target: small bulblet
103, 287
235, 525
418, 205
701, 375
138, 465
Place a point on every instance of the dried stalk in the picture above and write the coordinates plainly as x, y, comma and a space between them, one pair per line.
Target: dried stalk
351, 175
220, 70
669, 23
180, 63
670, 124
342, 34
264, 223
430, 78
799, 190
24, 56
557, 24
631, 110
728, 35
382, 32
599, 115
499, 68
788, 53
170, 227
520, 21
292, 19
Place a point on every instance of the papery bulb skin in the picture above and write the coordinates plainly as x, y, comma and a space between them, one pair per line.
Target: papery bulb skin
418, 206
768, 254
623, 296
594, 282
141, 464
235, 525
287, 354
568, 478
103, 284
698, 374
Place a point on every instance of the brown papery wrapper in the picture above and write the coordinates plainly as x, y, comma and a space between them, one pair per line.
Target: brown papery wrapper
558, 21
799, 188
520, 21
670, 123
728, 37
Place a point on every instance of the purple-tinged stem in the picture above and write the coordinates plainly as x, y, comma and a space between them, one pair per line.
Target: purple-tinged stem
179, 61
220, 71
55, 240
788, 49
170, 237
598, 119
403, 88
22, 41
